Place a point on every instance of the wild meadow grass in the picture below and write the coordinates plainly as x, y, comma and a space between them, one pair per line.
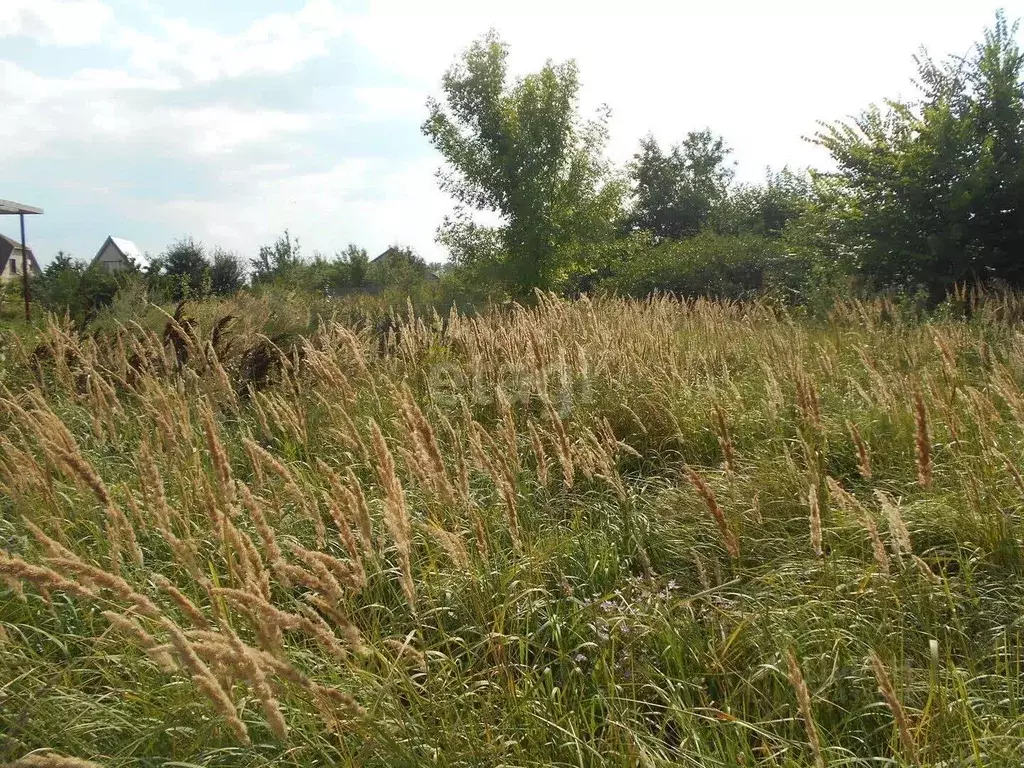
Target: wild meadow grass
591, 533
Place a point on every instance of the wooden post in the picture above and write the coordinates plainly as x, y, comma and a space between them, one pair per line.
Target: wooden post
24, 271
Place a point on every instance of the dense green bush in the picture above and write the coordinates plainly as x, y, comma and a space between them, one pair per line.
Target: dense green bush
73, 288
928, 193
227, 272
721, 266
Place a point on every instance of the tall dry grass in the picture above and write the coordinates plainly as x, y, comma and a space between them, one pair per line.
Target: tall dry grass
569, 533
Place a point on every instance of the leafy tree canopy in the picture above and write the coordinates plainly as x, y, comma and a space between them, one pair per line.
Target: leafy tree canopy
937, 184
676, 192
519, 150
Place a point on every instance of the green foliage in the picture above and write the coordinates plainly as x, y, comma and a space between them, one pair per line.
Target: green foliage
931, 190
130, 302
278, 261
186, 263
520, 151
357, 262
927, 193
9, 294
708, 264
675, 193
764, 209
398, 271
61, 262
398, 268
227, 272
61, 285
72, 287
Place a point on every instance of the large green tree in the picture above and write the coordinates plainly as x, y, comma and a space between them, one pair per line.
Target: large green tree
676, 192
281, 260
520, 151
185, 261
764, 209
227, 272
935, 188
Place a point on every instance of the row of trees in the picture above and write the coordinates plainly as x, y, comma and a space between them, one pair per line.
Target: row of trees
189, 270
926, 193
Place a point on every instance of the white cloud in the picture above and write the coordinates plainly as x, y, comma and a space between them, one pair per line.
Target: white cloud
214, 130
325, 209
203, 131
104, 104
100, 105
390, 103
271, 45
55, 22
20, 85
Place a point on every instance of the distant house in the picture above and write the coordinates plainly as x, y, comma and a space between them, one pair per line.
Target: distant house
10, 259
118, 254
388, 255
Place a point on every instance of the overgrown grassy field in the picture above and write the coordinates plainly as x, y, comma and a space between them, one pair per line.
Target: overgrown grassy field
622, 533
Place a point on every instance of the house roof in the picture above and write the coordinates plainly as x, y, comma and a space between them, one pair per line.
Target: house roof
127, 248
394, 250
12, 208
16, 246
388, 252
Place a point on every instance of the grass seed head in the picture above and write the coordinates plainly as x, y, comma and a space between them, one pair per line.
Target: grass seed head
51, 760
803, 698
704, 490
922, 441
885, 687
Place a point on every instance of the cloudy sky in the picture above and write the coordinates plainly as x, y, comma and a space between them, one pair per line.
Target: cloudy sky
232, 120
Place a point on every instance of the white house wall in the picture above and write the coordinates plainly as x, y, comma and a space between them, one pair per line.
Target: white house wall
6, 275
111, 259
